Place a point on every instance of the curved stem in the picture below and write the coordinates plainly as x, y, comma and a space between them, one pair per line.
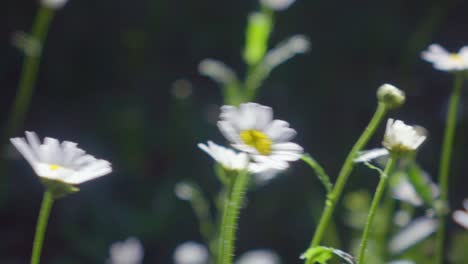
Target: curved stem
444, 169
375, 204
343, 176
41, 226
230, 218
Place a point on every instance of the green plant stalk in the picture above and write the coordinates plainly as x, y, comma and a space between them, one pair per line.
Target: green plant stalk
230, 218
29, 72
444, 169
388, 208
41, 226
374, 205
343, 176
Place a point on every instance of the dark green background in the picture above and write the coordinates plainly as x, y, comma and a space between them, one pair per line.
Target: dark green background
106, 79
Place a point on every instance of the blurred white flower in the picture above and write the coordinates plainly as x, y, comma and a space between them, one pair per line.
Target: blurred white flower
277, 4
401, 262
259, 256
183, 191
251, 129
57, 161
405, 191
461, 217
418, 230
400, 137
443, 60
226, 157
54, 4
129, 251
27, 43
191, 253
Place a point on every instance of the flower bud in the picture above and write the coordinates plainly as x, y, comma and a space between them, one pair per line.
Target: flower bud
391, 96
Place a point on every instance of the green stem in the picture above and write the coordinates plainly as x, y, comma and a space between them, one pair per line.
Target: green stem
375, 204
230, 218
29, 72
444, 169
343, 176
41, 226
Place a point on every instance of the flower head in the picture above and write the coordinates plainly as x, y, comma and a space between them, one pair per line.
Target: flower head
54, 4
228, 158
250, 128
461, 217
259, 256
62, 162
401, 138
416, 231
191, 253
129, 251
446, 61
391, 96
277, 4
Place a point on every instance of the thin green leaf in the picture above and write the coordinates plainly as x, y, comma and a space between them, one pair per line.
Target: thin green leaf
321, 174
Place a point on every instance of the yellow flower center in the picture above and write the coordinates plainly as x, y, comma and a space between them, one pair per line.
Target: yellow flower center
54, 167
455, 56
257, 140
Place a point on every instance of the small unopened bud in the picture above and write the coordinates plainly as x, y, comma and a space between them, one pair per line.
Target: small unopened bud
391, 96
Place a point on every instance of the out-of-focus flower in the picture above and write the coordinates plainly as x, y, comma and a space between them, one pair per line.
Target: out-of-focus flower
405, 191
183, 191
54, 4
461, 217
251, 129
27, 43
418, 230
401, 138
401, 262
191, 253
227, 158
129, 251
63, 162
443, 60
277, 4
391, 96
259, 256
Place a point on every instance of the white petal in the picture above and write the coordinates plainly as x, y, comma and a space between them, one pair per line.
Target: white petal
264, 115
289, 146
229, 131
461, 217
25, 150
368, 155
415, 232
34, 142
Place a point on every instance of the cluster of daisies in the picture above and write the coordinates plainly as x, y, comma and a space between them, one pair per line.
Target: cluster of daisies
262, 143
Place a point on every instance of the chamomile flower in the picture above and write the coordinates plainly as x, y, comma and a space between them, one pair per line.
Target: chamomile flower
62, 162
251, 129
401, 138
461, 217
54, 4
226, 157
277, 4
129, 251
446, 61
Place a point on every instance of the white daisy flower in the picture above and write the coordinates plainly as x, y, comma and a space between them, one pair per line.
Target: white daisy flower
250, 128
129, 251
461, 217
57, 161
277, 4
418, 230
400, 137
228, 158
54, 4
191, 253
259, 256
446, 61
